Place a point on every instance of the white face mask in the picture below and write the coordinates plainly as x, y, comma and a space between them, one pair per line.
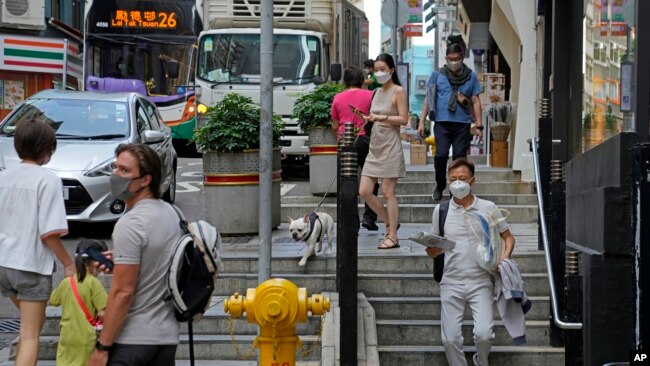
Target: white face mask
382, 77
460, 189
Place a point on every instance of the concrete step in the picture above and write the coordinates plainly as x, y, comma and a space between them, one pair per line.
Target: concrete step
482, 174
476, 159
214, 321
428, 332
414, 308
480, 188
412, 213
206, 347
499, 199
499, 355
371, 284
529, 262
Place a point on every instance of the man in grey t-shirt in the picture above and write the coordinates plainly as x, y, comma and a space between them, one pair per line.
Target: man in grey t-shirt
139, 327
464, 281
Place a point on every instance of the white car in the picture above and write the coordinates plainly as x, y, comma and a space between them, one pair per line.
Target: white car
89, 127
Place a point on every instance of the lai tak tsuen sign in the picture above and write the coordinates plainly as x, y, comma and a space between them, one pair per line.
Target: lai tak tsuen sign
143, 17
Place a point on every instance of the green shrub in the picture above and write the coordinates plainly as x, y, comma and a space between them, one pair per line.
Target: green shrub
313, 109
234, 125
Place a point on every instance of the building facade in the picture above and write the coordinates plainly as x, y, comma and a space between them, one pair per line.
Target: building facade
40, 41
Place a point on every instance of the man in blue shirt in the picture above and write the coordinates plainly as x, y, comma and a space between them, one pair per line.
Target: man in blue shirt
452, 102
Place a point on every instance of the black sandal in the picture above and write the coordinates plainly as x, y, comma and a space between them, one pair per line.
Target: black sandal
384, 244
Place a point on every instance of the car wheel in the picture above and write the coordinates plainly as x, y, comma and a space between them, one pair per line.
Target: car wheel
170, 195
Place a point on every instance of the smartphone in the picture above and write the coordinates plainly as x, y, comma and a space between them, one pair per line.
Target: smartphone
96, 255
356, 111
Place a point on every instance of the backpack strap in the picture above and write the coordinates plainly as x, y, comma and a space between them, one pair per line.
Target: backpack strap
73, 286
442, 216
432, 95
183, 223
439, 261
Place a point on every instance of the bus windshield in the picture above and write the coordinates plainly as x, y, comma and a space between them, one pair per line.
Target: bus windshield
235, 58
142, 58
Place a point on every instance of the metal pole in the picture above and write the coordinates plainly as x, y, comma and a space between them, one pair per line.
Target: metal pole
547, 252
557, 233
573, 309
65, 64
641, 216
266, 141
641, 73
84, 63
393, 38
436, 53
346, 245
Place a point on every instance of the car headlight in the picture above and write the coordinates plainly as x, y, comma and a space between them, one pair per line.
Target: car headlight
103, 169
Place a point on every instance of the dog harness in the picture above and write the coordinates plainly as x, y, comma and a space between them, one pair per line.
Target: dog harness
313, 217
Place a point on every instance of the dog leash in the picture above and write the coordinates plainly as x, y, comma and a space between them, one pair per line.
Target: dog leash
325, 195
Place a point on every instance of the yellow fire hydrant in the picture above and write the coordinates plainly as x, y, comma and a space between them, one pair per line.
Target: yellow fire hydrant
276, 305
431, 141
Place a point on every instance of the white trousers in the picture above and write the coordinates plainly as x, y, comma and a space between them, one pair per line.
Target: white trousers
453, 299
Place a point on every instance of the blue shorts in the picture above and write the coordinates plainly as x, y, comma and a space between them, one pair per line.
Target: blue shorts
27, 286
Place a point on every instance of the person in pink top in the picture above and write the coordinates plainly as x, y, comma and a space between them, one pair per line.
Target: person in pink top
342, 111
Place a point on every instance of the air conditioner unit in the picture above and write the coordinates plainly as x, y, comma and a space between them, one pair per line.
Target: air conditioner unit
26, 14
421, 84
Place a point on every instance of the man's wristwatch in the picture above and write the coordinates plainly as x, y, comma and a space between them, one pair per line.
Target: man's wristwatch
480, 128
100, 347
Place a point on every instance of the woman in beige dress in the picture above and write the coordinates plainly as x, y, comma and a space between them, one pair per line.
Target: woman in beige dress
385, 159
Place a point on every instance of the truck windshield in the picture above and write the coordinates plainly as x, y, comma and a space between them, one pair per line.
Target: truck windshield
235, 58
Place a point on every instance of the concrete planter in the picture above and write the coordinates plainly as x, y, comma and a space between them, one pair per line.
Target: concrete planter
231, 183
323, 157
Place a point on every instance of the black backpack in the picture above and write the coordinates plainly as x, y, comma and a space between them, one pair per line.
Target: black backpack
439, 261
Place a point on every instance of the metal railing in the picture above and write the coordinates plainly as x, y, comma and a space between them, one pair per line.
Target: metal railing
547, 253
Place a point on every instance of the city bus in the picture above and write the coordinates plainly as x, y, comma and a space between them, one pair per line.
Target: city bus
146, 46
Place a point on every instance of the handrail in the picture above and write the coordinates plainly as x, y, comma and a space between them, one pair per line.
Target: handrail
547, 253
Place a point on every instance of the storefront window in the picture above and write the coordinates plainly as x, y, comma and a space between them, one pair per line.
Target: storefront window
608, 42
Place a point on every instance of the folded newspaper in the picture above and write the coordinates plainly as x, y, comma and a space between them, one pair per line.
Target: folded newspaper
432, 241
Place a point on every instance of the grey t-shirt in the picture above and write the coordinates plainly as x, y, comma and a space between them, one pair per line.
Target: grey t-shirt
461, 263
145, 235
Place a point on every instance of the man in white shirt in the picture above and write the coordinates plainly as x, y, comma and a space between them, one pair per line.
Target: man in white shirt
464, 282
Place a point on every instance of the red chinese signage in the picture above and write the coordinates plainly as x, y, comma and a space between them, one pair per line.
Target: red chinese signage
412, 30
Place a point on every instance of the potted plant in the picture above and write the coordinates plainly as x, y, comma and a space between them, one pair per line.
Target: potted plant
230, 144
312, 110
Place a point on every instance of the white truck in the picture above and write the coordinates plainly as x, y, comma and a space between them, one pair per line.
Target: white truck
309, 36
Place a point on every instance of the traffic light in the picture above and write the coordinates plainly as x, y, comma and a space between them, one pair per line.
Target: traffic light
427, 5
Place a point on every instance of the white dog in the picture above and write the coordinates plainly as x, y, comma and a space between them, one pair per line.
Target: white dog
311, 229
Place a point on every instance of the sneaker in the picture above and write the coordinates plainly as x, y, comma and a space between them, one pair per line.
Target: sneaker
369, 225
437, 195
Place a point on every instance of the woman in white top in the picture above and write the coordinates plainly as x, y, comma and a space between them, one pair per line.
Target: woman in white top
30, 237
